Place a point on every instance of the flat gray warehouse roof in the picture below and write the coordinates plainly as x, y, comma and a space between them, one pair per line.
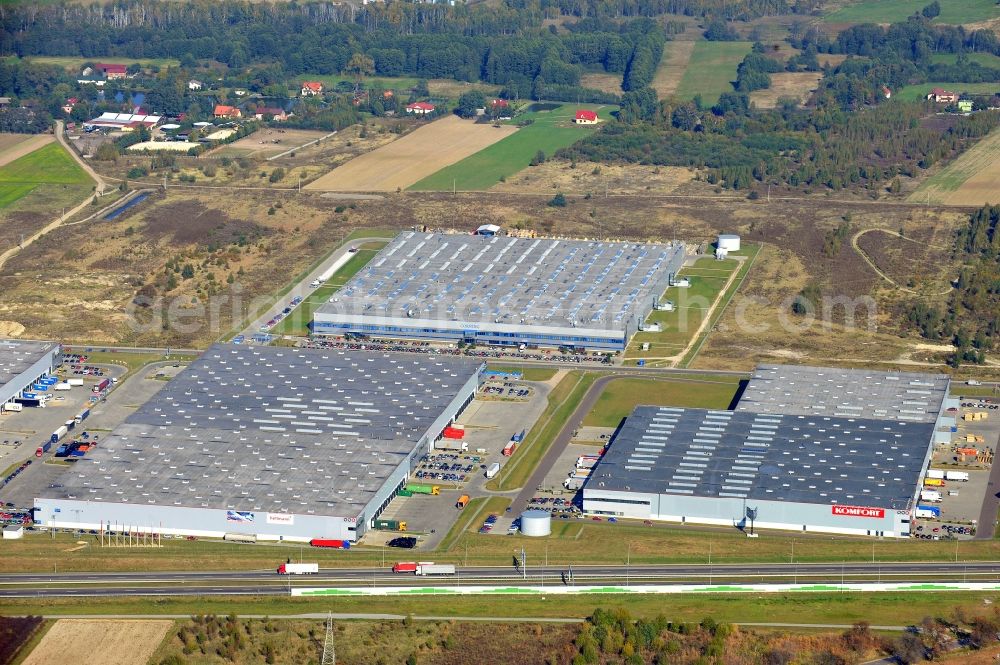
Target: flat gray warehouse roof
801, 458
276, 429
18, 355
502, 280
850, 393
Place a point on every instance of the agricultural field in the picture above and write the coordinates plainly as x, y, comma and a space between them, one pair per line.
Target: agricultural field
621, 396
602, 81
447, 88
794, 85
970, 179
585, 178
99, 642
550, 130
984, 59
911, 93
673, 64
266, 142
882, 11
711, 70
76, 63
34, 188
405, 161
15, 146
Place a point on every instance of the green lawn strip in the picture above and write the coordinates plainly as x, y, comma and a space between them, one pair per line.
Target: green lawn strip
581, 542
622, 395
353, 235
134, 361
974, 391
549, 131
720, 310
712, 70
562, 401
50, 164
842, 608
528, 373
297, 321
881, 11
911, 93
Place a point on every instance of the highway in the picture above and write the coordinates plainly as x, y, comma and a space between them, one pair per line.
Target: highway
207, 583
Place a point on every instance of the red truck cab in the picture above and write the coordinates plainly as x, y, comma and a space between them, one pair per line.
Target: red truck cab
405, 567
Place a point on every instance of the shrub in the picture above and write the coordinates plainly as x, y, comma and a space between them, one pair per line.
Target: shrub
558, 201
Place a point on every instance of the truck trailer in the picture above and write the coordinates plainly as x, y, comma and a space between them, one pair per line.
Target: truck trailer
962, 476
492, 470
42, 449
435, 569
574, 483
75, 383
451, 444
329, 542
390, 525
298, 569
928, 512
935, 473
509, 449
102, 386
424, 489
932, 496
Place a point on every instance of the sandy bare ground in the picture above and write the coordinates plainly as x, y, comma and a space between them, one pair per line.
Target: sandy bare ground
15, 146
412, 157
676, 57
796, 85
99, 642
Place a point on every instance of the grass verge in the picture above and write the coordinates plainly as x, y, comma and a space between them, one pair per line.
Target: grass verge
562, 401
624, 394
898, 609
297, 321
527, 373
473, 513
880, 11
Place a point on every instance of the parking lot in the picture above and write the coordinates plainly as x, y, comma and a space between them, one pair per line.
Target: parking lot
972, 451
32, 427
489, 423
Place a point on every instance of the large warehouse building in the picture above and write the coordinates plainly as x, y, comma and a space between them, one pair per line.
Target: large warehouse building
275, 443
22, 362
806, 449
503, 290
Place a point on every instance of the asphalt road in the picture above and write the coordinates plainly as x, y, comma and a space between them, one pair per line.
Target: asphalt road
267, 582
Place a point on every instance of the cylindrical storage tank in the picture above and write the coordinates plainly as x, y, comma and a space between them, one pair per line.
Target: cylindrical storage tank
536, 523
729, 242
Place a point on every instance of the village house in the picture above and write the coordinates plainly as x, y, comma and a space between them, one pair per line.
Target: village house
420, 108
223, 111
311, 88
585, 117
942, 96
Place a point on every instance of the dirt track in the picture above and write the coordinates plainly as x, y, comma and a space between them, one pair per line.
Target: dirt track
99, 642
17, 149
412, 157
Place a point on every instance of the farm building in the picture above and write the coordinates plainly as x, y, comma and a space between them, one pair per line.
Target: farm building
805, 449
123, 121
942, 96
22, 363
584, 117
420, 108
269, 443
504, 290
112, 71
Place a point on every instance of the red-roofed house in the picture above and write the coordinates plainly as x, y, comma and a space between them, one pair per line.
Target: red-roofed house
420, 108
942, 96
310, 88
584, 117
499, 103
223, 111
276, 114
112, 71
70, 103
886, 92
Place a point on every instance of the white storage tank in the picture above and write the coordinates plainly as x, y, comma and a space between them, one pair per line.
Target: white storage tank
729, 242
536, 523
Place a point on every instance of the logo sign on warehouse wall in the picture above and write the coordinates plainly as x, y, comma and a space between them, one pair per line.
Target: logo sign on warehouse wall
278, 518
239, 516
858, 511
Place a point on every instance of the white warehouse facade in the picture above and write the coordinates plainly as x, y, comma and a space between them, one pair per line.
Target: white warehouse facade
271, 443
22, 363
806, 449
